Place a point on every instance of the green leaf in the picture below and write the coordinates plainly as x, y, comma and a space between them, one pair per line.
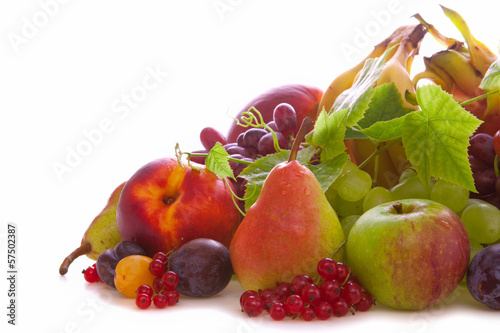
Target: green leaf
436, 138
385, 130
256, 173
326, 172
329, 130
384, 118
491, 79
357, 98
217, 162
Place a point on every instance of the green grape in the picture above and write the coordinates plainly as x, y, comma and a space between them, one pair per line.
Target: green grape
354, 185
470, 202
349, 166
347, 223
452, 196
411, 188
331, 194
376, 196
345, 208
407, 173
475, 247
482, 221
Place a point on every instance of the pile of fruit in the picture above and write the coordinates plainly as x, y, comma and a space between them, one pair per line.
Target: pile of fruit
379, 189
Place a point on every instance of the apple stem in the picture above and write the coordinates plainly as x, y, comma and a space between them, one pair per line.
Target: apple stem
83, 249
303, 130
398, 207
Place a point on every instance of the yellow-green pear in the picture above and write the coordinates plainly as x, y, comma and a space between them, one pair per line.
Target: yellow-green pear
100, 235
288, 230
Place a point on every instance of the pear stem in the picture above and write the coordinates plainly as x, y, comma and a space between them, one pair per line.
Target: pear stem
83, 249
303, 130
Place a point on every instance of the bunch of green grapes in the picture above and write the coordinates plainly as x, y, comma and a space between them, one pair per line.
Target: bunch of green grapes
353, 193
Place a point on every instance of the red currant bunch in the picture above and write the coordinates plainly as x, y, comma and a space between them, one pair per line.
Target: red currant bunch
335, 293
90, 274
163, 292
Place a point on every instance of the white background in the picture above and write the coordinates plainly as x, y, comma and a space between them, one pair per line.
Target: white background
67, 66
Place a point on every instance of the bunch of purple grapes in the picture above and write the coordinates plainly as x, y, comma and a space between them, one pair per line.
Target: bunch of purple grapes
484, 151
254, 143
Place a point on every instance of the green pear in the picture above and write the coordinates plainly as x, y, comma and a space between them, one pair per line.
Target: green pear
100, 235
288, 230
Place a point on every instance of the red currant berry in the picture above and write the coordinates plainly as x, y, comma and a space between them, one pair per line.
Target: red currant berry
351, 293
330, 290
283, 290
323, 310
307, 314
170, 279
245, 295
160, 300
172, 296
294, 304
365, 303
145, 289
160, 256
340, 307
157, 284
299, 282
311, 294
156, 267
343, 272
253, 306
90, 274
277, 311
327, 268
269, 297
143, 301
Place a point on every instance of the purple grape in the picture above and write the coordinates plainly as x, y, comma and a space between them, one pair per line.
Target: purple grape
485, 181
285, 117
209, 136
203, 266
240, 140
266, 143
247, 152
272, 125
476, 164
481, 146
252, 136
483, 276
238, 167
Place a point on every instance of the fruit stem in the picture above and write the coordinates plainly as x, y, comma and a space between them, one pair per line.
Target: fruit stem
303, 130
480, 97
378, 151
83, 249
398, 207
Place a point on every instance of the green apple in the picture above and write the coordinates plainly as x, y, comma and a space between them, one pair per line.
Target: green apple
409, 254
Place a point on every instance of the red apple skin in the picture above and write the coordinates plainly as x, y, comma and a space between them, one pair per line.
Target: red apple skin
164, 202
409, 261
304, 99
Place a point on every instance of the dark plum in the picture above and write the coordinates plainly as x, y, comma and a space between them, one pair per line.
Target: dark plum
128, 248
483, 276
203, 266
108, 259
105, 265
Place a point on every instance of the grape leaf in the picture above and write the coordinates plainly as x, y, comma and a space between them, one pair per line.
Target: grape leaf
357, 98
256, 173
385, 130
436, 138
217, 162
329, 130
491, 79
